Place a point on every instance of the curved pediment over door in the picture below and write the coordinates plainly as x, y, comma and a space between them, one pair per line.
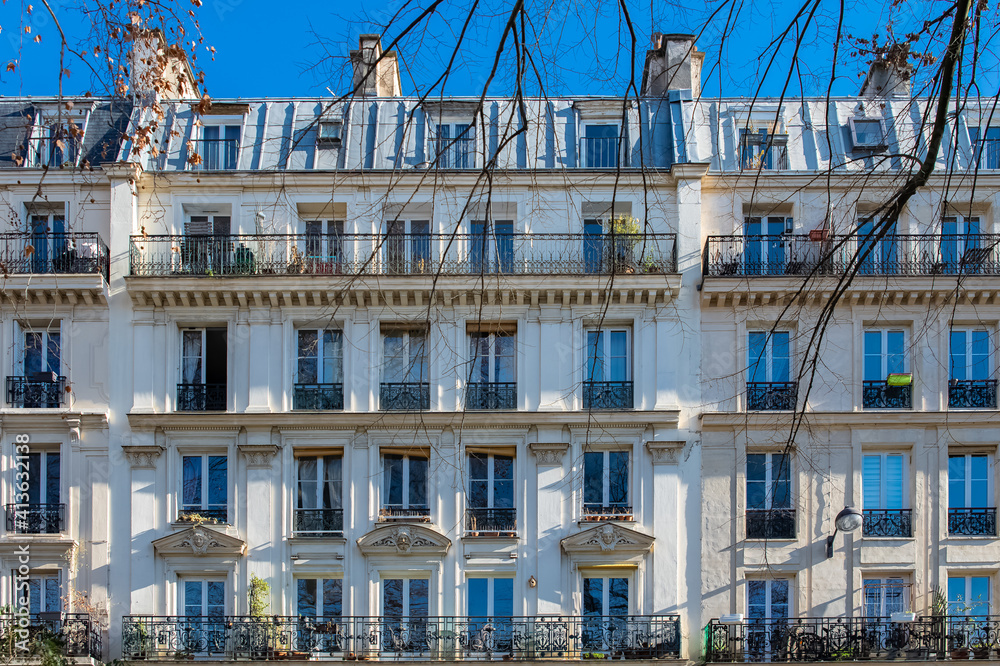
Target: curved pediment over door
201, 542
608, 538
404, 540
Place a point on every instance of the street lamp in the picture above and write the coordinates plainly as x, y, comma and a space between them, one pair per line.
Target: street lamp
848, 520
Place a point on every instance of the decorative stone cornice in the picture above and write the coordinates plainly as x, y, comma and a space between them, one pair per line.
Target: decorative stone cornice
142, 456
199, 541
665, 453
404, 540
608, 538
258, 455
549, 454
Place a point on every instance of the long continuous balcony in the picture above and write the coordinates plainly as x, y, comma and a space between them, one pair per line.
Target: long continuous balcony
53, 253
888, 523
41, 390
972, 522
788, 254
402, 254
852, 639
318, 522
972, 394
393, 638
35, 518
76, 634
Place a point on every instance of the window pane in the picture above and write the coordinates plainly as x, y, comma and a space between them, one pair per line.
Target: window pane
593, 478
192, 598
418, 482
392, 597
478, 597
306, 597
395, 364
595, 356
618, 462
756, 361
779, 357
871, 480
893, 482
895, 357
34, 478
958, 361
618, 596
979, 471
873, 356
419, 597
52, 601
980, 355
979, 595
782, 482
52, 477
333, 597
956, 482
307, 482
191, 365
619, 356
393, 480
503, 597
334, 481
52, 360
756, 481
756, 598
779, 598
217, 473
308, 350
192, 481
593, 596
957, 595
32, 353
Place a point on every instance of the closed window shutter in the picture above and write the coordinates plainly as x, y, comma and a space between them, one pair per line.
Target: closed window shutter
197, 225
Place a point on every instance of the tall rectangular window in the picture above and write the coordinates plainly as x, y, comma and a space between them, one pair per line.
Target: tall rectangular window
203, 370
600, 146
491, 494
404, 486
492, 246
407, 247
319, 497
606, 484
37, 380
885, 355
219, 146
969, 354
321, 357
769, 385
43, 512
490, 597
769, 497
405, 370
765, 246
324, 247
969, 595
44, 593
768, 599
319, 597
205, 486
885, 496
492, 383
202, 598
608, 380
456, 146
961, 245
47, 240
877, 247
971, 507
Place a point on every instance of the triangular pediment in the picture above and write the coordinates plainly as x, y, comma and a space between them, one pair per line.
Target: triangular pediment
404, 540
608, 538
200, 541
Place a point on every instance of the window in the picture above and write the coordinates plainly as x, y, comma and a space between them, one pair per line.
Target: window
324, 247
877, 256
608, 383
218, 147
768, 599
205, 487
43, 512
492, 383
404, 487
405, 372
884, 490
405, 605
985, 147
320, 370
456, 146
885, 596
605, 609
207, 247
769, 497
491, 494
55, 143
48, 241
329, 131
202, 598
600, 146
970, 369
962, 249
492, 246
765, 245
37, 382
605, 485
320, 597
971, 511
319, 510
203, 370
762, 150
969, 595
868, 132
44, 593
885, 357
490, 597
407, 247
768, 362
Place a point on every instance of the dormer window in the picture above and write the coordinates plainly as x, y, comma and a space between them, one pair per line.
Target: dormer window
455, 145
868, 132
761, 149
985, 143
329, 132
55, 142
217, 149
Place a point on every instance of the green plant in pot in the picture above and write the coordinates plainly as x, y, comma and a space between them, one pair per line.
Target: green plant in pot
625, 234
263, 631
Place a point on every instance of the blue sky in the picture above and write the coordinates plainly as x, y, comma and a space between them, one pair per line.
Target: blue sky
299, 50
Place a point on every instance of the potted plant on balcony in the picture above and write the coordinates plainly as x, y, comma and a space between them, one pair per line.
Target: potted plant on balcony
625, 235
262, 632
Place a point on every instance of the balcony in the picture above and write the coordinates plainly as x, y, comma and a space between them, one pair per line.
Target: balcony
24, 253
194, 514
215, 154
628, 637
391, 513
771, 396
597, 512
607, 395
491, 395
318, 522
201, 398
972, 522
35, 518
888, 523
850, 639
880, 395
40, 390
404, 396
76, 634
600, 152
902, 255
401, 254
458, 153
318, 396
770, 523
490, 522
972, 394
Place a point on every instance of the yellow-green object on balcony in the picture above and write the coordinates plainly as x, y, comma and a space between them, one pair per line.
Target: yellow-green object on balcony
900, 379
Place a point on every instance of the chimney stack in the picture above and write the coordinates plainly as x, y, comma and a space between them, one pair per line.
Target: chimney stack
376, 73
674, 63
160, 71
889, 76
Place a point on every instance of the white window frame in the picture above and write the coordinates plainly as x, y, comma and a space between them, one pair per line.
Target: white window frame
966, 598
882, 141
905, 478
320, 348
605, 354
407, 355
884, 350
22, 348
491, 355
41, 577
406, 578
583, 148
490, 578
41, 142
329, 131
406, 504
606, 576
769, 481
606, 476
42, 476
320, 582
767, 358
448, 146
204, 579
967, 500
883, 582
968, 331
491, 479
320, 479
222, 123
205, 461
768, 595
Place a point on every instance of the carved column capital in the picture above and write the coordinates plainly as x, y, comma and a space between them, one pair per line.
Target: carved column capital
665, 453
549, 454
258, 455
142, 456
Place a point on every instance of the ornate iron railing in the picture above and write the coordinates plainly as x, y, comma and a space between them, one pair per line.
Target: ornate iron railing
771, 396
972, 522
607, 395
895, 254
29, 392
402, 254
888, 523
491, 395
404, 396
35, 518
318, 522
879, 395
391, 512
47, 253
489, 520
612, 512
972, 394
392, 638
191, 514
318, 396
770, 523
77, 634
201, 397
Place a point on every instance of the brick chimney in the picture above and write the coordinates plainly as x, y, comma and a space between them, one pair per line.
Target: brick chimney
160, 70
889, 75
376, 73
674, 63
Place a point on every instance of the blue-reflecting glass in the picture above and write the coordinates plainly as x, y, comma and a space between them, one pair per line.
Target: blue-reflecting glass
306, 597
593, 596
593, 478
478, 596
217, 480
333, 597
192, 481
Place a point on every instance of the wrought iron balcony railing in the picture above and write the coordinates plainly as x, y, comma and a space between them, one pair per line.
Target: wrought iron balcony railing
193, 514
402, 254
318, 396
201, 397
404, 396
456, 153
600, 152
491, 395
879, 395
318, 522
851, 639
480, 521
972, 522
770, 523
607, 395
214, 154
888, 523
36, 392
612, 512
77, 635
972, 394
391, 638
771, 396
788, 254
395, 513
49, 253
36, 518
